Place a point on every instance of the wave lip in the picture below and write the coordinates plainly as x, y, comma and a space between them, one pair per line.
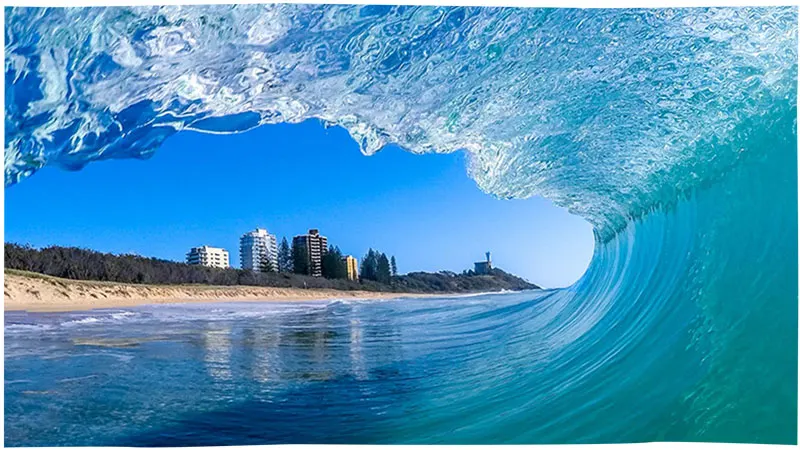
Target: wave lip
606, 112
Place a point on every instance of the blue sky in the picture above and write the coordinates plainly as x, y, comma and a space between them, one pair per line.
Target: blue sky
202, 189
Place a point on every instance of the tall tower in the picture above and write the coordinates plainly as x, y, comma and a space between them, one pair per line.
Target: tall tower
256, 247
315, 247
484, 267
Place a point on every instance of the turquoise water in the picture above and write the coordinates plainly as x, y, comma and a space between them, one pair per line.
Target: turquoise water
672, 131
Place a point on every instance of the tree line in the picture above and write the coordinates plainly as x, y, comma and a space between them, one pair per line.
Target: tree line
375, 266
294, 259
83, 264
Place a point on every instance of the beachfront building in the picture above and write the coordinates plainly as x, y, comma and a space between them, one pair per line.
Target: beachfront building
352, 267
484, 267
256, 248
314, 246
208, 256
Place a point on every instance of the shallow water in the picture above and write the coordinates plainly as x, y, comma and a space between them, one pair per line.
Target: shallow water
244, 373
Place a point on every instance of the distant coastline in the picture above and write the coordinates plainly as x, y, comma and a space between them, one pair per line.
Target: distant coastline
29, 291
68, 278
84, 264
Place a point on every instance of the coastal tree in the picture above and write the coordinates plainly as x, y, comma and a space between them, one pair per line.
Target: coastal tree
384, 271
375, 266
285, 263
369, 266
394, 266
300, 259
332, 264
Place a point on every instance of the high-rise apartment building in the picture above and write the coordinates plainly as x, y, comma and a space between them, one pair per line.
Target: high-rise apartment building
352, 267
256, 248
208, 256
314, 245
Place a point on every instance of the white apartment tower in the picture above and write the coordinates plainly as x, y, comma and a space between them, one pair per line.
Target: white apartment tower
256, 247
208, 256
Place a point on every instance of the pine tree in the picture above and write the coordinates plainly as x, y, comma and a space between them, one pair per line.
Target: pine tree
394, 266
299, 259
285, 263
369, 265
332, 264
384, 272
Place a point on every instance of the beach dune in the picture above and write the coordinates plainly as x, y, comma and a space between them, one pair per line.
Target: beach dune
35, 292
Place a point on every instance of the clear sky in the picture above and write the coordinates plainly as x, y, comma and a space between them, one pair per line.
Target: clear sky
202, 189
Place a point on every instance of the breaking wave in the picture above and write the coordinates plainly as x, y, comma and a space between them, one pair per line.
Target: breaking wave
672, 131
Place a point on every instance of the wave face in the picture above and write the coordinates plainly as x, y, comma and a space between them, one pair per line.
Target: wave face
673, 131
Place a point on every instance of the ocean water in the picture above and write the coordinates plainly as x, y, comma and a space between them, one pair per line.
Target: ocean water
672, 131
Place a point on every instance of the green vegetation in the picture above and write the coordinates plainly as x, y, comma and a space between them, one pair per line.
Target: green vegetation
333, 266
82, 264
375, 266
300, 260
285, 263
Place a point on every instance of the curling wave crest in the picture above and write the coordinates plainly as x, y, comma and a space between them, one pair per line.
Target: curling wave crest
606, 112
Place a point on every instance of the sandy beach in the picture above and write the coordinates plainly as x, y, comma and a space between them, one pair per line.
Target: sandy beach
25, 291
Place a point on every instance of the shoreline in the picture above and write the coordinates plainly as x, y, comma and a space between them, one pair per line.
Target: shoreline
35, 292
